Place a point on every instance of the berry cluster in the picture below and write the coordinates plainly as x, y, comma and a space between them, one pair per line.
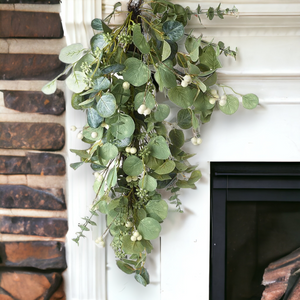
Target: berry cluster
131, 150
144, 110
215, 97
136, 236
187, 79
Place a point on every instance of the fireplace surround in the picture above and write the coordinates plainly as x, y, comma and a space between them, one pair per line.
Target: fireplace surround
255, 220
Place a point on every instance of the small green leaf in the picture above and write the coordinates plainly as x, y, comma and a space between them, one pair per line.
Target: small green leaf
166, 52
50, 87
82, 153
133, 166
139, 40
106, 105
141, 98
210, 13
131, 247
165, 76
108, 151
185, 185
195, 176
250, 101
101, 83
76, 82
162, 112
167, 167
157, 210
159, 148
184, 119
98, 41
125, 267
209, 58
148, 183
71, 53
121, 126
182, 96
115, 68
177, 137
140, 279
149, 228
75, 166
99, 25
231, 106
112, 177
93, 118
192, 47
137, 73
173, 29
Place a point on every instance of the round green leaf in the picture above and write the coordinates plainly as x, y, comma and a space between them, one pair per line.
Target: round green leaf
182, 96
177, 137
76, 100
162, 112
87, 132
250, 101
76, 82
98, 41
133, 166
137, 73
106, 105
49, 88
88, 58
231, 106
122, 143
101, 83
139, 40
173, 29
108, 151
157, 210
99, 25
131, 247
166, 168
184, 119
148, 183
71, 54
122, 126
159, 148
93, 118
149, 228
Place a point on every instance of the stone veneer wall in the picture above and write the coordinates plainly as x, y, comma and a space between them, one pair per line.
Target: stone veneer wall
33, 218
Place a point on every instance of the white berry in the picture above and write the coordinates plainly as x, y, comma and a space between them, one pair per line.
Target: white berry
94, 134
212, 101
73, 128
127, 149
128, 224
96, 174
222, 102
133, 150
133, 238
134, 178
147, 112
126, 85
224, 97
188, 79
184, 83
199, 141
139, 238
214, 93
136, 234
141, 109
80, 136
128, 179
194, 141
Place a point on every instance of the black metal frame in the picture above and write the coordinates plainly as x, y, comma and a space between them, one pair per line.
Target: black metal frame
244, 181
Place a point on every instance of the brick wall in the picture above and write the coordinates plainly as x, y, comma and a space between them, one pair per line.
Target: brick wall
33, 218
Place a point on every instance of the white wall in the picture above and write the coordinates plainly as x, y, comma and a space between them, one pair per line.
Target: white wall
268, 64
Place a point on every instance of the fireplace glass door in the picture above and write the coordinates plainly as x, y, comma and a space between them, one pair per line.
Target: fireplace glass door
255, 220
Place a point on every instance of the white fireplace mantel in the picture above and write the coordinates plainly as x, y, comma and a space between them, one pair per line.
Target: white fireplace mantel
267, 35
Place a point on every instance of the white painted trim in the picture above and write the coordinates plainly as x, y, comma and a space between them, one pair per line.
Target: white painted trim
53, 8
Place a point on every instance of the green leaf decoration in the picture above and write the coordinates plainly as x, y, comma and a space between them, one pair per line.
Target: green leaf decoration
125, 267
50, 87
167, 167
195, 121
93, 118
192, 47
166, 52
122, 143
165, 76
153, 163
140, 279
98, 41
76, 100
140, 215
184, 119
209, 58
112, 177
82, 153
202, 103
174, 30
98, 188
142, 276
131, 247
157, 210
149, 228
87, 58
87, 103
177, 137
200, 85
101, 83
133, 166
75, 166
195, 176
99, 25
250, 101
148, 183
121, 95
87, 133
106, 105
71, 54
162, 112
122, 126
159, 148
139, 40
113, 69
182, 96
231, 106
108, 151
210, 13
76, 82
185, 184
137, 73
182, 59
141, 98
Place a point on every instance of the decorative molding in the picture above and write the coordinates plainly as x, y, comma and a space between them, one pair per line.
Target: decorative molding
55, 8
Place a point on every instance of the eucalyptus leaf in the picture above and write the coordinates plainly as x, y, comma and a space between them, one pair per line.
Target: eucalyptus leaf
165, 76
209, 58
101, 83
126, 268
140, 279
231, 106
99, 25
167, 167
76, 82
133, 166
177, 137
159, 148
115, 68
192, 47
70, 54
131, 247
149, 228
122, 126
106, 105
250, 101
174, 30
195, 176
98, 41
182, 96
184, 119
148, 183
139, 40
157, 210
166, 52
112, 177
87, 58
75, 166
137, 73
108, 151
162, 112
144, 98
50, 87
